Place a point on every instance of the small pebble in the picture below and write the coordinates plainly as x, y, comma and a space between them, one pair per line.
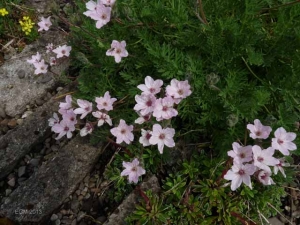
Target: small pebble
78, 192
39, 102
88, 195
26, 114
34, 162
59, 89
74, 222
2, 113
19, 121
4, 122
80, 216
57, 222
21, 171
12, 123
7, 192
80, 197
12, 182
59, 215
54, 217
21, 74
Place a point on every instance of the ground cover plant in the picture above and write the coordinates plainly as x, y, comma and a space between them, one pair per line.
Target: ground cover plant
202, 94
17, 24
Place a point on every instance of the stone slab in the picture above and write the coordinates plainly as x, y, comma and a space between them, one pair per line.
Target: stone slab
19, 86
45, 190
18, 142
128, 205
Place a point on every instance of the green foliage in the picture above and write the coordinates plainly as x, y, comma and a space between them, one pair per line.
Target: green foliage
242, 64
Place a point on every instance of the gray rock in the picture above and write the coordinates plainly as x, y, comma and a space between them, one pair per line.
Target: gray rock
34, 162
57, 222
59, 89
59, 215
74, 204
80, 216
21, 73
128, 205
19, 121
12, 182
21, 171
18, 142
54, 217
7, 192
55, 181
39, 102
74, 222
2, 113
16, 93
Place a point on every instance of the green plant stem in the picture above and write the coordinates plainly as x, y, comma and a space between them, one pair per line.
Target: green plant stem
283, 5
251, 70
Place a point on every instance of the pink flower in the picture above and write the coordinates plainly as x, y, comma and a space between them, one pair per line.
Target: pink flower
164, 108
105, 102
69, 116
133, 170
64, 106
240, 154
85, 108
52, 61
108, 2
40, 67
239, 174
151, 86
264, 158
102, 118
144, 139
258, 130
142, 119
63, 128
123, 132
34, 59
145, 103
265, 177
62, 51
162, 137
280, 165
54, 120
98, 12
87, 129
178, 90
283, 141
117, 50
44, 24
49, 47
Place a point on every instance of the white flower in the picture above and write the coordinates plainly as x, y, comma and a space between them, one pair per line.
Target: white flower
264, 158
62, 51
117, 50
144, 139
102, 118
162, 137
283, 141
265, 177
239, 174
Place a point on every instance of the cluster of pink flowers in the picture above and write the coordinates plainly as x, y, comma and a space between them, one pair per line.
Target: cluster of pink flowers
253, 160
67, 125
99, 11
39, 63
147, 105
